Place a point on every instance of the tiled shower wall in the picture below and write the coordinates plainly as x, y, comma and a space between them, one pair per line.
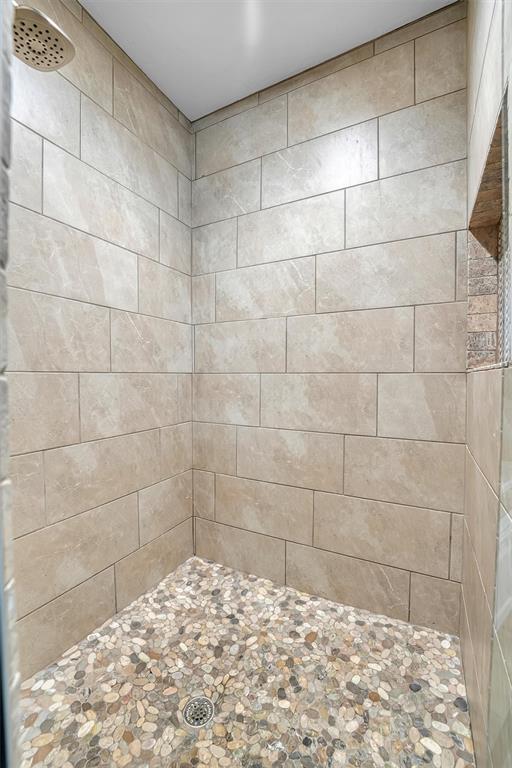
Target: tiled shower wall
329, 287
100, 339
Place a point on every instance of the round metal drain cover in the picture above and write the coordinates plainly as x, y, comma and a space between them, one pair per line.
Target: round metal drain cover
198, 712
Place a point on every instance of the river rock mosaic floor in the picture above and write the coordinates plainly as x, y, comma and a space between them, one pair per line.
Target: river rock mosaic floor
296, 680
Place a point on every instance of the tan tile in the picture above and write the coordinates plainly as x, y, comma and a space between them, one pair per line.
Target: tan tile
428, 24
347, 580
53, 560
25, 177
322, 402
215, 448
419, 203
484, 422
53, 334
478, 705
227, 398
43, 411
405, 471
380, 340
27, 493
227, 193
244, 550
176, 449
462, 266
164, 505
214, 247
441, 61
229, 111
340, 159
428, 406
440, 337
456, 548
368, 530
164, 292
184, 200
175, 243
481, 514
417, 271
80, 477
304, 459
149, 344
240, 347
274, 510
435, 603
144, 568
184, 396
500, 709
204, 494
203, 299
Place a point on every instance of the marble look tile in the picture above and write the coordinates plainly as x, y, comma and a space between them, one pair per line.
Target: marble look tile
77, 194
296, 229
456, 548
244, 550
43, 411
203, 299
435, 603
50, 257
421, 474
368, 529
273, 510
423, 406
243, 137
227, 193
481, 511
441, 61
149, 344
380, 340
502, 611
428, 24
164, 506
428, 134
175, 243
52, 334
164, 292
80, 477
500, 710
419, 203
440, 337
417, 271
214, 247
330, 162
303, 459
184, 200
267, 290
484, 422
348, 580
462, 266
184, 396
106, 145
227, 398
370, 88
221, 114
48, 104
26, 173
55, 559
27, 493
322, 402
248, 346
215, 448
204, 494
176, 449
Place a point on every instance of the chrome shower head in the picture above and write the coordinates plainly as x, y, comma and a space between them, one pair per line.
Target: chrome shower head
38, 41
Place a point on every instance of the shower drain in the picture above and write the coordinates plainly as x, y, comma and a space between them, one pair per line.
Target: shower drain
198, 711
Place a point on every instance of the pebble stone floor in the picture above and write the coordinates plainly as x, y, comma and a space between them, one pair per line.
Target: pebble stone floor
296, 680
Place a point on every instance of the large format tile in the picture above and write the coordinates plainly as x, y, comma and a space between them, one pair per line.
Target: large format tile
481, 510
247, 346
203, 299
26, 173
164, 505
435, 603
440, 337
229, 398
215, 448
149, 344
226, 193
176, 449
164, 292
441, 61
184, 200
27, 493
484, 422
425, 25
421, 474
204, 494
214, 247
500, 709
502, 608
222, 114
175, 243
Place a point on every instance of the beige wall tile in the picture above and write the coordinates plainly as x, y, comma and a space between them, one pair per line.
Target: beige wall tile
347, 580
267, 290
53, 560
368, 529
429, 406
144, 568
377, 340
164, 292
149, 344
225, 112
462, 266
27, 493
43, 411
80, 477
323, 402
63, 622
50, 257
296, 229
184, 200
77, 194
227, 398
274, 510
481, 513
245, 346
405, 471
500, 707
204, 494
434, 21
370, 88
428, 134
440, 337
26, 174
176, 449
203, 299
215, 448
165, 505
53, 334
435, 603
214, 247
304, 459
227, 193
441, 61
417, 271
184, 396
456, 548
419, 203
243, 550
118, 403
250, 134
175, 243
330, 162
484, 422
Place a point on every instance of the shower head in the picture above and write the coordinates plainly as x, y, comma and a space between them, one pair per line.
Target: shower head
38, 41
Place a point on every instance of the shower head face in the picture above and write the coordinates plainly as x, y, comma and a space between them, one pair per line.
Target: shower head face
38, 41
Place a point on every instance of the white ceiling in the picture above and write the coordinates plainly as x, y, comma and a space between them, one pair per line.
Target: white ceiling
205, 54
